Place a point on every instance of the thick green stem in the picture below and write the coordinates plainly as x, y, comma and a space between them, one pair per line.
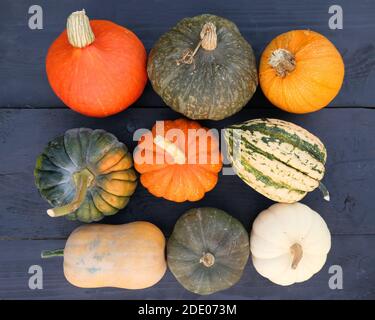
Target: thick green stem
325, 191
83, 180
52, 253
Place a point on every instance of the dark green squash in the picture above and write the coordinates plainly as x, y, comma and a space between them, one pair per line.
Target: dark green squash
203, 68
86, 174
207, 250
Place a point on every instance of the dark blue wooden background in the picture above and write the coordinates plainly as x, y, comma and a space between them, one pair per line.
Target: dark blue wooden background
31, 115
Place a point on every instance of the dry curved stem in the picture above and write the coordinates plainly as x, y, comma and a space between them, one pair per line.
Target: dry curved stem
208, 42
297, 252
172, 149
83, 180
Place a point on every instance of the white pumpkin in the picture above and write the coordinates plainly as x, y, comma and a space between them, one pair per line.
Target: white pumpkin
289, 243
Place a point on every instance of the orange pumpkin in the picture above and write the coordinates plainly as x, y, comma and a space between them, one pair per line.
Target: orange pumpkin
301, 71
179, 160
97, 68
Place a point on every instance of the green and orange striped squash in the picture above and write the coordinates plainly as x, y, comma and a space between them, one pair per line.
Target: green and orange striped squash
85, 174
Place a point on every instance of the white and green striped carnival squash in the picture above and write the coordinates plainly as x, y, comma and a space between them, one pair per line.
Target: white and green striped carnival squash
277, 158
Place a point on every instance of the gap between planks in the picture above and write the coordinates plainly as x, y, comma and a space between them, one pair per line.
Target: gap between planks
63, 238
28, 107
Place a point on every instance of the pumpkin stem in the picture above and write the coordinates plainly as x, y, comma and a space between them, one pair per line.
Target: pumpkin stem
52, 253
297, 253
78, 29
176, 153
325, 191
283, 61
209, 36
83, 180
208, 42
208, 259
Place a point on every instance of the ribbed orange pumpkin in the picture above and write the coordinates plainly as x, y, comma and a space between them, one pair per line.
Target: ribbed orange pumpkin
301, 71
179, 160
96, 68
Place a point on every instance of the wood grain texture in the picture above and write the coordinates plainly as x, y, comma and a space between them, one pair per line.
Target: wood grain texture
349, 252
23, 51
347, 134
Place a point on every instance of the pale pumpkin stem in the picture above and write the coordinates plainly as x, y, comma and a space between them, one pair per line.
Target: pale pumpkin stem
208, 259
209, 36
297, 253
208, 42
83, 180
52, 253
78, 29
175, 152
325, 191
283, 61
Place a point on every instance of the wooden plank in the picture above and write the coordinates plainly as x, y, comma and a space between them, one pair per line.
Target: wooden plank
23, 51
347, 133
350, 252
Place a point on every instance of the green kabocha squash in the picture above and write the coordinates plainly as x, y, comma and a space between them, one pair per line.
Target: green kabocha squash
85, 174
203, 68
207, 250
277, 158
